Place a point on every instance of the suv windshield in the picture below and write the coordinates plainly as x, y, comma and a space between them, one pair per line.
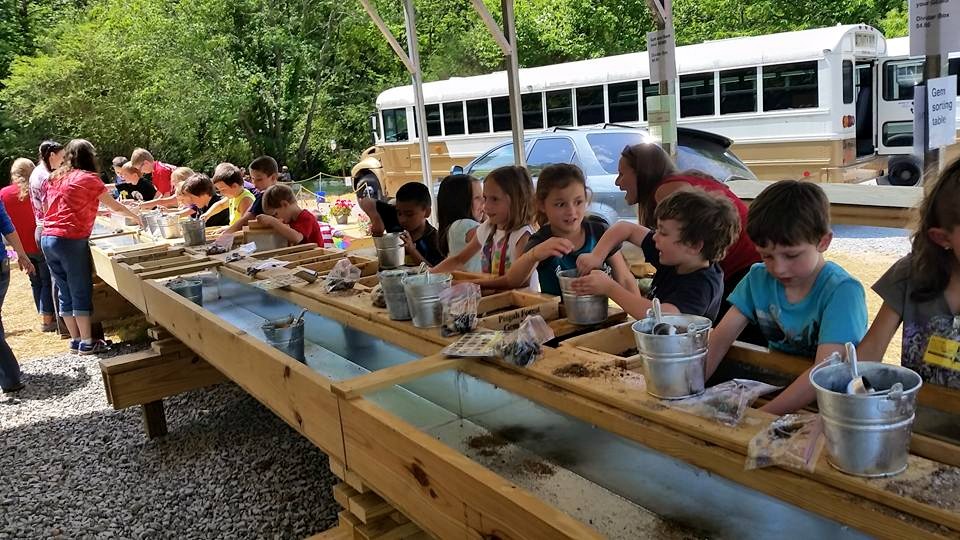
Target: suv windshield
608, 146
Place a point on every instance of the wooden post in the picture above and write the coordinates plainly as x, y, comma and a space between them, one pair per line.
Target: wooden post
154, 419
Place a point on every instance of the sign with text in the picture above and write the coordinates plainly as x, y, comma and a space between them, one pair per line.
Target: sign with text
934, 27
661, 51
941, 112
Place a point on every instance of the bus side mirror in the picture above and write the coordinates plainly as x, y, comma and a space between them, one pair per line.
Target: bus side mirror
456, 169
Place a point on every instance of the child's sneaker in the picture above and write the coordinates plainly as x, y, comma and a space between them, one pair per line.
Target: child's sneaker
74, 346
96, 347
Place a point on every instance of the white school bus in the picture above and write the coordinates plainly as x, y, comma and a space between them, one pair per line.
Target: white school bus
828, 104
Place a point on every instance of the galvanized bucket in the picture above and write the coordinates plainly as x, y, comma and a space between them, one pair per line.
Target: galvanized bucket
674, 365
390, 252
867, 434
423, 297
150, 222
169, 226
189, 288
194, 232
393, 294
286, 335
581, 309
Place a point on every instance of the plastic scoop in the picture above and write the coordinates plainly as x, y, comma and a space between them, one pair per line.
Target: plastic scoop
661, 328
858, 384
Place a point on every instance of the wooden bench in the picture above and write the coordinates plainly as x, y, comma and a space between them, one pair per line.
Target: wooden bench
144, 378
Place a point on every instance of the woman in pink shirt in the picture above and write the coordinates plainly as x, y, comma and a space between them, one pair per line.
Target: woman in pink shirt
73, 194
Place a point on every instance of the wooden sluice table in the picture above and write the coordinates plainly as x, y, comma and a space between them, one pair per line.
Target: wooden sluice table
449, 494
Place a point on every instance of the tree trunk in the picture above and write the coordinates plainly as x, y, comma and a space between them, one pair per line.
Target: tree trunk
317, 80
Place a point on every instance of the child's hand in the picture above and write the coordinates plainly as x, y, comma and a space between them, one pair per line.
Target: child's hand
596, 282
26, 265
408, 245
267, 221
588, 262
552, 247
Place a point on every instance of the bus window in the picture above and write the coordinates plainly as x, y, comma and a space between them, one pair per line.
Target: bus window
395, 125
649, 90
453, 118
434, 129
532, 105
498, 157
590, 105
501, 113
790, 86
847, 82
478, 116
696, 95
560, 108
624, 102
549, 151
898, 133
738, 91
899, 78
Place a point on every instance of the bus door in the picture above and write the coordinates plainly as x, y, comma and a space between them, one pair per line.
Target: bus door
863, 87
896, 78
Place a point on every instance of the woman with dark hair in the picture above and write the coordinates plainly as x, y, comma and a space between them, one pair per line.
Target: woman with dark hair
51, 157
648, 175
72, 197
459, 213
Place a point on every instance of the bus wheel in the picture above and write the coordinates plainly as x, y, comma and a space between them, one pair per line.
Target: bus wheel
904, 171
368, 185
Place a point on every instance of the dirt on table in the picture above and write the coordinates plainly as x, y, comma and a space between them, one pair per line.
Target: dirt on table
575, 370
941, 488
537, 468
486, 445
629, 352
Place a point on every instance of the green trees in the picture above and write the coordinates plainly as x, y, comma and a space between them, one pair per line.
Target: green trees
201, 81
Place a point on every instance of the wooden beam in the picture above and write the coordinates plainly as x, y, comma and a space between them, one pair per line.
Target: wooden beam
146, 377
154, 419
180, 270
394, 375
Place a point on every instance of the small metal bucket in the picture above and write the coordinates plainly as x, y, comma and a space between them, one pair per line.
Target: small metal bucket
423, 297
391, 281
189, 288
150, 222
285, 336
194, 232
390, 252
867, 434
674, 365
169, 226
581, 309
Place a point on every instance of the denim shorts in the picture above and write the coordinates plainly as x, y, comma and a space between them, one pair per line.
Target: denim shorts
70, 265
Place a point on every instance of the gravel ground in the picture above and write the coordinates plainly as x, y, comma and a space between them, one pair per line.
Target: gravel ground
72, 467
879, 241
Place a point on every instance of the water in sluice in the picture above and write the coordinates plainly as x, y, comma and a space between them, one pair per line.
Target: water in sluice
619, 487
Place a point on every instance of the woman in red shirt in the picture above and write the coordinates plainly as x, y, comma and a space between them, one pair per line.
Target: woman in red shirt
73, 195
16, 199
648, 175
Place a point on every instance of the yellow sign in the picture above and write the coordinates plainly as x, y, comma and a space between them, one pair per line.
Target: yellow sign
943, 352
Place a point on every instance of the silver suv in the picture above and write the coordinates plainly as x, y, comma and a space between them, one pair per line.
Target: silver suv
597, 152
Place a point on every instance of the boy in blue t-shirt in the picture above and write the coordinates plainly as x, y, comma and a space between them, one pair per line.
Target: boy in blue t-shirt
802, 304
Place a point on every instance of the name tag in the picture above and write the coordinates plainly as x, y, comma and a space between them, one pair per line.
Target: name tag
943, 352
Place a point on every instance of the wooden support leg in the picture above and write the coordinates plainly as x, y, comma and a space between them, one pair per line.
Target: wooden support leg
154, 420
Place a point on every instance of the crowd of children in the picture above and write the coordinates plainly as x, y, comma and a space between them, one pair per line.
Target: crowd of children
794, 300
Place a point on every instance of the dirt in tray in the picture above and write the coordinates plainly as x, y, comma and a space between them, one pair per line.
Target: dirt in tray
941, 488
579, 370
537, 468
629, 352
487, 445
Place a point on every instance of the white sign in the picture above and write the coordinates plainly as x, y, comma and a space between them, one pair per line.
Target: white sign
941, 114
934, 25
661, 50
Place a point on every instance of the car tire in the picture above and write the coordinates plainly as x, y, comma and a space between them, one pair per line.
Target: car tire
368, 183
904, 171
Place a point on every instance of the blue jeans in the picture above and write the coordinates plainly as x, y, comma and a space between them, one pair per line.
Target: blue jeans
69, 262
9, 368
42, 285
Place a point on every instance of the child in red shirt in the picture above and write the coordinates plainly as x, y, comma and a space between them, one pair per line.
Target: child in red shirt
284, 215
160, 173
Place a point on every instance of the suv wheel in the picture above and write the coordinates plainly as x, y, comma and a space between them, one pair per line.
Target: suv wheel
369, 185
